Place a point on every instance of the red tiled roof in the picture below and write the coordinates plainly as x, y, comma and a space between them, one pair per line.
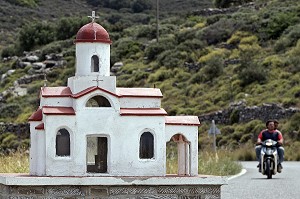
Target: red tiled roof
41, 126
142, 112
58, 110
120, 92
139, 92
182, 120
92, 32
56, 92
36, 116
90, 89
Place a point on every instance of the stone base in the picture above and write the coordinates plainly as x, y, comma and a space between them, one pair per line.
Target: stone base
14, 186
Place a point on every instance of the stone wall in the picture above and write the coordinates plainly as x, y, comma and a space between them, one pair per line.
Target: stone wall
111, 192
239, 113
22, 130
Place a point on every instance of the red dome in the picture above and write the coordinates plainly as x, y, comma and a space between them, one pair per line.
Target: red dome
92, 32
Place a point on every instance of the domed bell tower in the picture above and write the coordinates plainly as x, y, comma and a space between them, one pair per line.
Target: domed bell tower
92, 58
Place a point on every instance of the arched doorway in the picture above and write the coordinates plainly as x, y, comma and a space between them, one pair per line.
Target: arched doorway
178, 151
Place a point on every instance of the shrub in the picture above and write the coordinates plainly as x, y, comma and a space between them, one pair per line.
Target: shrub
234, 116
34, 34
278, 23
172, 58
252, 74
160, 75
27, 3
8, 51
293, 59
273, 61
218, 32
140, 5
127, 48
68, 27
9, 110
155, 48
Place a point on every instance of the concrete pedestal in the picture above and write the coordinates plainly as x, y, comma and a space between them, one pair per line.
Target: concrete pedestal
23, 186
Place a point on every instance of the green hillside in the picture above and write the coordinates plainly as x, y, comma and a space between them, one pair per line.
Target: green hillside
205, 59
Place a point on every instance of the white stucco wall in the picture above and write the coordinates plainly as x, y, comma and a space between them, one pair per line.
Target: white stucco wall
56, 165
123, 135
56, 101
125, 147
84, 52
41, 153
33, 147
137, 102
79, 83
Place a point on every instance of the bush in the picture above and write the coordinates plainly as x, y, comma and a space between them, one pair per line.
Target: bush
219, 31
9, 110
9, 51
234, 116
160, 75
140, 5
154, 49
127, 48
68, 27
251, 74
278, 23
172, 58
34, 34
27, 3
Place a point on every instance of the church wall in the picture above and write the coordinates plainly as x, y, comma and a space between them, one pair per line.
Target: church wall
41, 153
137, 102
79, 83
84, 52
61, 165
33, 147
125, 147
56, 101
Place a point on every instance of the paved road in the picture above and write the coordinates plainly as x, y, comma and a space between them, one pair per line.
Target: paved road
254, 185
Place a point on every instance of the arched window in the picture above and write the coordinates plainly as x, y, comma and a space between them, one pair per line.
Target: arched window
146, 146
63, 143
98, 101
95, 63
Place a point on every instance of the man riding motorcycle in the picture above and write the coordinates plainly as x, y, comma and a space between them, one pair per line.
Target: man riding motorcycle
270, 133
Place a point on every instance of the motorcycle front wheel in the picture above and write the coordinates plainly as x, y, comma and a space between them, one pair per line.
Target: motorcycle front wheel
268, 169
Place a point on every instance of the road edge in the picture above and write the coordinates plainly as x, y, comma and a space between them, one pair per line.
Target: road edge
243, 171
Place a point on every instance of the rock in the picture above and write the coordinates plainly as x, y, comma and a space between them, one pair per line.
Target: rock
38, 65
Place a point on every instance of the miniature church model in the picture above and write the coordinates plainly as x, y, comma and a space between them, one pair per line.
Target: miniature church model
93, 128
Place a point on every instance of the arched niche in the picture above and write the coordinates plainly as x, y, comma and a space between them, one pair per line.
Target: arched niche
98, 101
95, 63
146, 149
63, 142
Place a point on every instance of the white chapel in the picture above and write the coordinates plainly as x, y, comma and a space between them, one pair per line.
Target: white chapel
93, 128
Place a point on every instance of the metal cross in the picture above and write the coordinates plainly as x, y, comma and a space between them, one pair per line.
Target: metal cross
97, 80
93, 17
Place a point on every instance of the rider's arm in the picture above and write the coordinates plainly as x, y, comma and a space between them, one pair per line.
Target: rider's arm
259, 138
280, 138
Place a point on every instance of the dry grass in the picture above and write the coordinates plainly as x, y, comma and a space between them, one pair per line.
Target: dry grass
209, 163
17, 162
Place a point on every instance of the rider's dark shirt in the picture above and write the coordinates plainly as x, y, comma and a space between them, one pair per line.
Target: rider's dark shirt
266, 134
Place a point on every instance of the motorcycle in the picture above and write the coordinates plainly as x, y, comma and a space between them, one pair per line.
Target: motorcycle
269, 158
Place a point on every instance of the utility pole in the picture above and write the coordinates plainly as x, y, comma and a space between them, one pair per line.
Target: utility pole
157, 20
